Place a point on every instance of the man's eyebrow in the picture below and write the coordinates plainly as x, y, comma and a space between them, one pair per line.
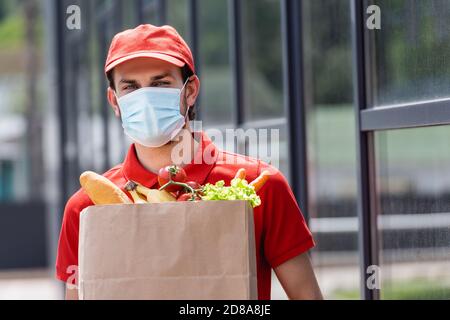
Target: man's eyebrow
154, 78
127, 81
161, 76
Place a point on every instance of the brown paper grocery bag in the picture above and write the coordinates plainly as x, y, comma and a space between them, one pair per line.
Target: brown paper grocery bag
172, 250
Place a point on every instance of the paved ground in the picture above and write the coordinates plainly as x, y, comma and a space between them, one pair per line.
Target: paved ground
39, 285
29, 285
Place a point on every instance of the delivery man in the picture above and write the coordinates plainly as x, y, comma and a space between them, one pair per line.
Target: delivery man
153, 89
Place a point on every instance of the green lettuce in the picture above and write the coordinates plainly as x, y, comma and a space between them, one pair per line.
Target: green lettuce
238, 190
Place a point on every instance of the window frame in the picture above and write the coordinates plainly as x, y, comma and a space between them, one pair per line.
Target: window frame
370, 120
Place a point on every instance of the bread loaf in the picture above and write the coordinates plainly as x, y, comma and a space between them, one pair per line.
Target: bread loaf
101, 190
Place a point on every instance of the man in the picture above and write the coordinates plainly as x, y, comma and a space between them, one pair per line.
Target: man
153, 89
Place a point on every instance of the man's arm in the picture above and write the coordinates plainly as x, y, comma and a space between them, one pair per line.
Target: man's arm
298, 280
71, 294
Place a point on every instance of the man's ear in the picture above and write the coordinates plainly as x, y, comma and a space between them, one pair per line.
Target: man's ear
113, 101
192, 90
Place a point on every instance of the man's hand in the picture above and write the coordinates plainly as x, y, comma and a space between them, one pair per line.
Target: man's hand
298, 280
71, 294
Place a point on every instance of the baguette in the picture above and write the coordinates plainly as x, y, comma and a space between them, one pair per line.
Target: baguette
101, 190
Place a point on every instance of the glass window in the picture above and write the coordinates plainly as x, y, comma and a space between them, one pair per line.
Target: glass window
129, 14
150, 11
410, 60
178, 17
215, 71
271, 147
282, 146
331, 146
413, 182
262, 59
23, 97
6, 180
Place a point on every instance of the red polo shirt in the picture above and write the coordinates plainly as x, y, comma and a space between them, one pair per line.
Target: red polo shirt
280, 229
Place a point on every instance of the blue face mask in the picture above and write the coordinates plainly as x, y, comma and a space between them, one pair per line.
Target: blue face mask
151, 116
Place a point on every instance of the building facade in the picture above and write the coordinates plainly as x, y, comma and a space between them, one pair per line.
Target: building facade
358, 91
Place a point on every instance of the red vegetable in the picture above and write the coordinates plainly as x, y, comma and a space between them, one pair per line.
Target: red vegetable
171, 173
193, 184
188, 197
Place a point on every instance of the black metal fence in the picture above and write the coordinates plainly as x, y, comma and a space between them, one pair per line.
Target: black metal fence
90, 137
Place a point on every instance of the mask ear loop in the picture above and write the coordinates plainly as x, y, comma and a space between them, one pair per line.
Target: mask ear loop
117, 100
187, 109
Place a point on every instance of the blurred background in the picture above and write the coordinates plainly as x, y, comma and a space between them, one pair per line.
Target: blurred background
280, 64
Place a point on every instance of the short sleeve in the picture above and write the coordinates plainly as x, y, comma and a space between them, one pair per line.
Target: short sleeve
67, 254
286, 234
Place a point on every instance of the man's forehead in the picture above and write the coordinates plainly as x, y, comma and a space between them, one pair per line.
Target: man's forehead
147, 63
146, 75
149, 70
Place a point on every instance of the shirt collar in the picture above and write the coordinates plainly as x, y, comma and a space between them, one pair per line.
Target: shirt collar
197, 170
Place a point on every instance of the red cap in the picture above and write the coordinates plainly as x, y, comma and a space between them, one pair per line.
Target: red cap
149, 41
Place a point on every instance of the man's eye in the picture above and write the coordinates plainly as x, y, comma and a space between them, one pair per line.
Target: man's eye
130, 86
160, 84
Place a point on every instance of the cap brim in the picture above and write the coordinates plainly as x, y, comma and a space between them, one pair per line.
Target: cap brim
153, 55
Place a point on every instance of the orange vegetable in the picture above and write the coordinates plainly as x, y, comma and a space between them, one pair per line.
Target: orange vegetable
240, 174
261, 180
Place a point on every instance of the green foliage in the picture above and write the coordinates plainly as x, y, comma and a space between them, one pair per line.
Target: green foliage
216, 94
263, 97
6, 7
213, 28
12, 31
417, 146
262, 42
417, 289
411, 60
177, 17
332, 135
13, 26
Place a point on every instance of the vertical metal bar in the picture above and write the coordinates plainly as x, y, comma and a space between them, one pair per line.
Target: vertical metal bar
73, 112
194, 35
235, 27
118, 12
162, 12
193, 28
61, 100
101, 26
365, 153
55, 179
294, 99
139, 11
88, 66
